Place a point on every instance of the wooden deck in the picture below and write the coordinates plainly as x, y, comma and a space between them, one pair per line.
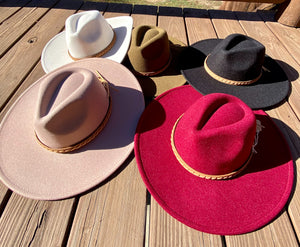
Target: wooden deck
120, 211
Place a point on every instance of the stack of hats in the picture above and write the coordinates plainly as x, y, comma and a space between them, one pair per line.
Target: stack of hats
207, 156
211, 157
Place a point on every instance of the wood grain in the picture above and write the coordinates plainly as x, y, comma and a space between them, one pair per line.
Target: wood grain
171, 20
164, 229
24, 56
13, 28
119, 212
257, 31
144, 15
114, 212
9, 7
167, 231
28, 222
199, 25
277, 51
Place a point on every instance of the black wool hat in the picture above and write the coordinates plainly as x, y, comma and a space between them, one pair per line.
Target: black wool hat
236, 65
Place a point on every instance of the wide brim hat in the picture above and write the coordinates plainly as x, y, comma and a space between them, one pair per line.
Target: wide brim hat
270, 90
238, 205
32, 171
154, 85
55, 53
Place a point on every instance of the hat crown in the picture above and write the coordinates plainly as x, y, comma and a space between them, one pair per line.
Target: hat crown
87, 33
71, 105
215, 135
237, 57
149, 50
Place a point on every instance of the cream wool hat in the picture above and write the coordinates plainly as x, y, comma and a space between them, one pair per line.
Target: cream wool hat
88, 34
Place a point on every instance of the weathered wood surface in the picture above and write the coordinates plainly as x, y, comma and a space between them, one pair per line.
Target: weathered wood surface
120, 211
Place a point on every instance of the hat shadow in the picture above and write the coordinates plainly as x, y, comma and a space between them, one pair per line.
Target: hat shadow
121, 35
265, 147
148, 123
295, 139
191, 58
120, 129
150, 84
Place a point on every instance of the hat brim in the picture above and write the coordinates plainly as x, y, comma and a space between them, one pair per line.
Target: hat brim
55, 53
270, 90
226, 207
171, 77
34, 172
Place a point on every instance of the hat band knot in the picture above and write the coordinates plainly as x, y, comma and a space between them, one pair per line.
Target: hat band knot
99, 54
93, 135
219, 176
228, 81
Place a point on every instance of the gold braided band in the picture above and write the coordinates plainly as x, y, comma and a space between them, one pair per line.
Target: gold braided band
101, 53
227, 81
93, 135
200, 174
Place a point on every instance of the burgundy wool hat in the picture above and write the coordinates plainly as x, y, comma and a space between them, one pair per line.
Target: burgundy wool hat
213, 163
70, 130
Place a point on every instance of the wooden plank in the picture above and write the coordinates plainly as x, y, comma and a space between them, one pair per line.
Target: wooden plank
164, 229
171, 20
9, 7
144, 15
13, 69
117, 9
198, 25
270, 235
25, 221
289, 124
37, 73
14, 27
100, 6
167, 231
28, 222
225, 23
114, 213
290, 38
277, 51
275, 228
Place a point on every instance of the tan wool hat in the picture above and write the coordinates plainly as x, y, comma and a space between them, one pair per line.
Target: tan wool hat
153, 56
70, 130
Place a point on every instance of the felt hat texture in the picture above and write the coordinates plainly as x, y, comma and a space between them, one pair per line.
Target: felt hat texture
70, 130
153, 57
213, 163
236, 65
88, 34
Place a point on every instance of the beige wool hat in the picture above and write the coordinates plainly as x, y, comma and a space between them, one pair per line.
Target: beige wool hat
88, 34
70, 130
153, 56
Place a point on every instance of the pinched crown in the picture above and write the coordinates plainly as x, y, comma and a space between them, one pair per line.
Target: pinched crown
215, 135
71, 105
